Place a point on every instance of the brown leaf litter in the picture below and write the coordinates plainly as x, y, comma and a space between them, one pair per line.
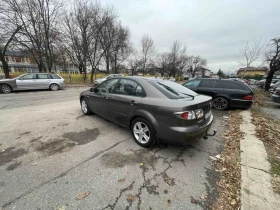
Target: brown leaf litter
228, 164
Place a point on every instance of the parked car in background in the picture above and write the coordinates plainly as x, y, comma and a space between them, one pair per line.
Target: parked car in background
252, 81
172, 79
274, 86
102, 79
225, 93
32, 81
276, 95
151, 108
260, 83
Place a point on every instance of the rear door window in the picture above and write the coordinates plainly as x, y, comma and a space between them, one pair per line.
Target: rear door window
207, 83
192, 83
232, 85
55, 76
217, 84
43, 76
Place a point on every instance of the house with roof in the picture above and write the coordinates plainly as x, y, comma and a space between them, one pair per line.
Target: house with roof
252, 72
22, 61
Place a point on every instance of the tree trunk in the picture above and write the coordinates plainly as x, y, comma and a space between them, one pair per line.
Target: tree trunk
91, 76
107, 64
269, 78
5, 65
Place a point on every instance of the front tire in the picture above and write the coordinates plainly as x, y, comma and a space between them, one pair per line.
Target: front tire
143, 132
54, 87
5, 88
85, 107
220, 103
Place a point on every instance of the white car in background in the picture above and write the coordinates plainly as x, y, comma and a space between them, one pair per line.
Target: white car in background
102, 79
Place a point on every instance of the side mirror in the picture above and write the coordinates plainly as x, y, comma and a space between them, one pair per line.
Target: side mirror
92, 89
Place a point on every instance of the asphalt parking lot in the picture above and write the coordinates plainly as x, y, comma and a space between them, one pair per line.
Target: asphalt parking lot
54, 157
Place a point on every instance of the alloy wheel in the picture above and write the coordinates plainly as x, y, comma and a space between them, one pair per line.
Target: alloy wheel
84, 106
141, 132
6, 88
54, 87
220, 103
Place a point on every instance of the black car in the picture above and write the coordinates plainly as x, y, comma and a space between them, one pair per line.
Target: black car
151, 108
225, 93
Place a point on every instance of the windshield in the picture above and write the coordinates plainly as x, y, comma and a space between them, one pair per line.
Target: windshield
19, 76
173, 90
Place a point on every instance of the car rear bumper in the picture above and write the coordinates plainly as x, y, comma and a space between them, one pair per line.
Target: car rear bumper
241, 104
275, 98
62, 85
184, 135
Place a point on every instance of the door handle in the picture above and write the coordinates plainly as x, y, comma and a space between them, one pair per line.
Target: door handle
215, 90
105, 97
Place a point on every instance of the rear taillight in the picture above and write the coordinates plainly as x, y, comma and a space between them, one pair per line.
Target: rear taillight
249, 97
190, 115
278, 92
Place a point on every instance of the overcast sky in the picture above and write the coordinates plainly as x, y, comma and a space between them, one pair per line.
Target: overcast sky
213, 29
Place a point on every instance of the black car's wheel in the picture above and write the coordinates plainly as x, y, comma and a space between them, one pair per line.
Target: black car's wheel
5, 88
220, 103
143, 132
54, 87
84, 106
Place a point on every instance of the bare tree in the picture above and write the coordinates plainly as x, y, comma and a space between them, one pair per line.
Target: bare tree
251, 53
39, 20
8, 30
147, 51
121, 48
178, 57
134, 62
273, 58
195, 64
78, 33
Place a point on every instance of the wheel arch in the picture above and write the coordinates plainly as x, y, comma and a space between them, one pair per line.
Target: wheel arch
53, 83
3, 83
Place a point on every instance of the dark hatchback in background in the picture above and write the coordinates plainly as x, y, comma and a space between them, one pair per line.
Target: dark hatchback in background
151, 108
225, 93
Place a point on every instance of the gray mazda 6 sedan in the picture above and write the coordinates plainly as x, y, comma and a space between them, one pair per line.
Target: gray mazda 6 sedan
151, 108
33, 81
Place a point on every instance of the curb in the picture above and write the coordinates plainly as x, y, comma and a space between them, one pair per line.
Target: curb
256, 188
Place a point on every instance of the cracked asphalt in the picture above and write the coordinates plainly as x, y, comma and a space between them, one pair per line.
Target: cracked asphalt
50, 154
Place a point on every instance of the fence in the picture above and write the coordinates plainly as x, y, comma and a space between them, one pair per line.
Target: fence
79, 78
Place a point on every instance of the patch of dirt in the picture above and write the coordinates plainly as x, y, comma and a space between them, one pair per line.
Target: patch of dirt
82, 137
260, 97
13, 166
118, 160
152, 189
54, 146
268, 130
168, 180
10, 154
36, 139
228, 164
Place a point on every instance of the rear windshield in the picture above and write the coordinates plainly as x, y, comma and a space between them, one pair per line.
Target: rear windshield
55, 76
172, 90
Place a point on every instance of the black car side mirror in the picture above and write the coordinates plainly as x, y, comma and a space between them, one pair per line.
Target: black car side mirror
92, 89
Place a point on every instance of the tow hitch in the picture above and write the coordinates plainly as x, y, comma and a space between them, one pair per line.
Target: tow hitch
208, 134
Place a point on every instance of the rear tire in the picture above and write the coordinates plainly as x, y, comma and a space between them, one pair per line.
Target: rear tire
4, 88
54, 87
143, 132
220, 103
85, 108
